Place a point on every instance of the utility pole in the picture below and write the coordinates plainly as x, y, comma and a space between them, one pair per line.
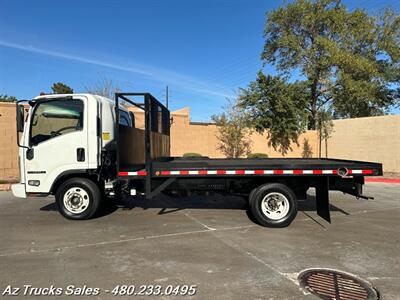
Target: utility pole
166, 96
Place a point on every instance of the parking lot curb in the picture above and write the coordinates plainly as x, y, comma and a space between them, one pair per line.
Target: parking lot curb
5, 187
383, 180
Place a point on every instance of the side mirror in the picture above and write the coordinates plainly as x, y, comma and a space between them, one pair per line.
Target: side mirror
20, 118
29, 154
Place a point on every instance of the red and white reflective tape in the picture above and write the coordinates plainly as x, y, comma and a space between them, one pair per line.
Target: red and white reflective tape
246, 172
138, 173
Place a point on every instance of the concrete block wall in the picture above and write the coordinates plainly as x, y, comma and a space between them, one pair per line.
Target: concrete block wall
202, 139
375, 139
369, 139
8, 143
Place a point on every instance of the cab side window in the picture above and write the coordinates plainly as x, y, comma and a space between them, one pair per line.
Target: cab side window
124, 118
55, 118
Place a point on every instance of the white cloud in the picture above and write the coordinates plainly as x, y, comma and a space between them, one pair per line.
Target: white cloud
178, 80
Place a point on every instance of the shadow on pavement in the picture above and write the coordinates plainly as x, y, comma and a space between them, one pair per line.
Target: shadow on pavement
169, 205
107, 209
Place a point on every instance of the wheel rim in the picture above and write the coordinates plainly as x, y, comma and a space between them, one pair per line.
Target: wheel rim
76, 200
275, 206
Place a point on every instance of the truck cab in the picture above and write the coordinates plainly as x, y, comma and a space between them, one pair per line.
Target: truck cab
63, 136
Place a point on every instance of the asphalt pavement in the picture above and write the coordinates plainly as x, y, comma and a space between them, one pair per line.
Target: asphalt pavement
210, 243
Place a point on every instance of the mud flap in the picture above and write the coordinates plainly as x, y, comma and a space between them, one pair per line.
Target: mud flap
322, 198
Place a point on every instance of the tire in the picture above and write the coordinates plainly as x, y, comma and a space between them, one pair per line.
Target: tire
252, 193
281, 208
82, 190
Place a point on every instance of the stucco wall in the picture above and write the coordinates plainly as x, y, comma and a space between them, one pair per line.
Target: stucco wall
202, 138
186, 137
375, 139
8, 142
260, 144
370, 139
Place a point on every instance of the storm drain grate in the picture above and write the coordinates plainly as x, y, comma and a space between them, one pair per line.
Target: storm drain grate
336, 285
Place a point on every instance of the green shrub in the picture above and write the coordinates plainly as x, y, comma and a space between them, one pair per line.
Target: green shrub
257, 155
191, 154
307, 149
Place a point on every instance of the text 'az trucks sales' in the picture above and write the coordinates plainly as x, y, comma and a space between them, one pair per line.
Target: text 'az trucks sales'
85, 149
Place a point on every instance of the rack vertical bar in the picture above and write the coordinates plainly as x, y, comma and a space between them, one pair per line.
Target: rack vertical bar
147, 141
116, 130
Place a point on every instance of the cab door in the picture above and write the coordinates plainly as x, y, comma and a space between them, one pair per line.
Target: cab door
58, 141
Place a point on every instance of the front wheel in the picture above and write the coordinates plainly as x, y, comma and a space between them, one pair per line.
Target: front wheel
273, 205
78, 199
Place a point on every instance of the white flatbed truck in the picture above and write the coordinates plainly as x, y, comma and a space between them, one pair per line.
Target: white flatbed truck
82, 148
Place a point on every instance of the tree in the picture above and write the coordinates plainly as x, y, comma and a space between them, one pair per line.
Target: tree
103, 87
233, 132
6, 98
325, 129
350, 60
276, 106
307, 149
61, 88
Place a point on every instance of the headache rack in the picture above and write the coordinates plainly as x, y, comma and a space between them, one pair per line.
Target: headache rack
156, 131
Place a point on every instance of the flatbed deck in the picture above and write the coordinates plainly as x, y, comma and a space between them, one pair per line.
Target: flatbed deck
265, 181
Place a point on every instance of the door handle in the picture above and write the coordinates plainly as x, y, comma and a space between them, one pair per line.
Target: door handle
80, 154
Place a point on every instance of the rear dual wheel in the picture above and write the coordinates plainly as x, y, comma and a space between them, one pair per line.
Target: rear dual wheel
273, 205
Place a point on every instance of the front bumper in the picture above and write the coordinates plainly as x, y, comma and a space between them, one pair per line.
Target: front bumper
18, 190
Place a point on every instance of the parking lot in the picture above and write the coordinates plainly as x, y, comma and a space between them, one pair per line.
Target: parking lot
208, 242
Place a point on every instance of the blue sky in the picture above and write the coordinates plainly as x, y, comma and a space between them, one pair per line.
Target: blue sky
202, 49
